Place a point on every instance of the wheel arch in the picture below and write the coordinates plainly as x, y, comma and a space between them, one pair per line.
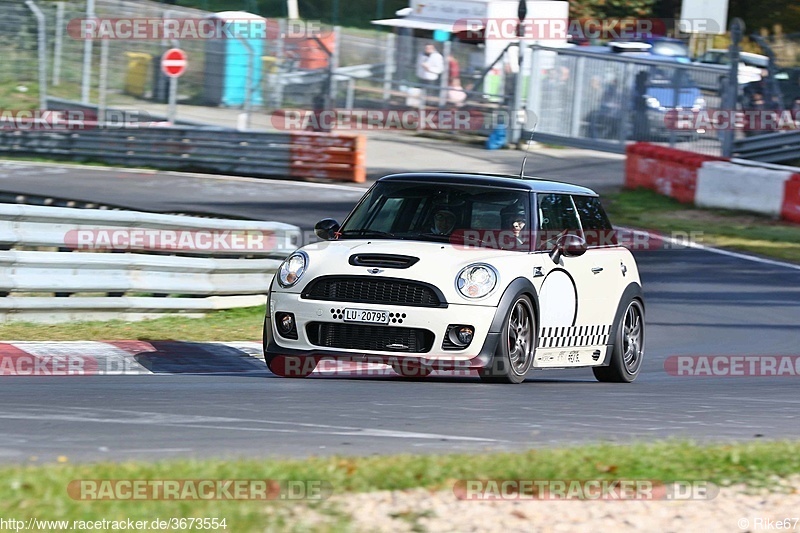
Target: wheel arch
520, 286
631, 292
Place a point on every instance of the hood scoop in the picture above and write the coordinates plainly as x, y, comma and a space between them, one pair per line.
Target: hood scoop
382, 260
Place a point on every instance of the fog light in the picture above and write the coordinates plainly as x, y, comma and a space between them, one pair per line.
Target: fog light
458, 337
464, 334
286, 325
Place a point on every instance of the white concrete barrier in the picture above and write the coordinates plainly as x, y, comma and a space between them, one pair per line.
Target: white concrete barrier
744, 187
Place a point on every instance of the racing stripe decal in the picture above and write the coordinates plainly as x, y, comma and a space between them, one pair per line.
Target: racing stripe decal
573, 336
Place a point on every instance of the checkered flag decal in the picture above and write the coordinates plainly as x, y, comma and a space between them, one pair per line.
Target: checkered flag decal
564, 336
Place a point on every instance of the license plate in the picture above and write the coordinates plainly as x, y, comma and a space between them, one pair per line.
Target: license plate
366, 315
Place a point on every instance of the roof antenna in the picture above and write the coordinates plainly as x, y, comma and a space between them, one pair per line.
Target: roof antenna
530, 119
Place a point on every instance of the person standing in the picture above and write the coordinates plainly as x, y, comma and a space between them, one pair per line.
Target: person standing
430, 64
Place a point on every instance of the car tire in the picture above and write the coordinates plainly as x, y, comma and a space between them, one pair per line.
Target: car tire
514, 355
628, 348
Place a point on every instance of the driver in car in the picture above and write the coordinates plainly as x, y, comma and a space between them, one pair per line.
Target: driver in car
443, 222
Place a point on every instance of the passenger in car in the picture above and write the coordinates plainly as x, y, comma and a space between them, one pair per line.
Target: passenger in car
513, 218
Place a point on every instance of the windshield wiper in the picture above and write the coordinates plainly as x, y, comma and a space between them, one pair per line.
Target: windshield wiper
366, 233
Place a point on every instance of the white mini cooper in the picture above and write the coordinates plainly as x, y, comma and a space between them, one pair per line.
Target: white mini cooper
447, 271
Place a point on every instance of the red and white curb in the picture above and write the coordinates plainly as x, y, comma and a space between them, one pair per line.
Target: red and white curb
114, 358
87, 358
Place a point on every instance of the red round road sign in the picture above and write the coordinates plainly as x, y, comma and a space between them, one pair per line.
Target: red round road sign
173, 62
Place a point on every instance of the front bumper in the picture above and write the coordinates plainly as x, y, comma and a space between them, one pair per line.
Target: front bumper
477, 354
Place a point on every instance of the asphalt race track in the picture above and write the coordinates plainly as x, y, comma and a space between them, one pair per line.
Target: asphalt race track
698, 303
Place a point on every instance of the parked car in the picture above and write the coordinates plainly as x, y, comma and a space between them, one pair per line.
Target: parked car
750, 64
643, 107
453, 271
656, 92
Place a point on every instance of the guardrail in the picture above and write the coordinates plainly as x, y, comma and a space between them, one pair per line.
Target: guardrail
44, 226
124, 264
777, 147
262, 154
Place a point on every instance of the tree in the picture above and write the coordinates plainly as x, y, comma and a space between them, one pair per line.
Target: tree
602, 9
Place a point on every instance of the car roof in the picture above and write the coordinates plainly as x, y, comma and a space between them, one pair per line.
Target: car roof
506, 181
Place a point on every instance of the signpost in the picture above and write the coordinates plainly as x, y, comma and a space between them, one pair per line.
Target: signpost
173, 65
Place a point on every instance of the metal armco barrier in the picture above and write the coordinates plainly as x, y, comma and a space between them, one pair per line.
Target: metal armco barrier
261, 154
42, 226
777, 147
111, 271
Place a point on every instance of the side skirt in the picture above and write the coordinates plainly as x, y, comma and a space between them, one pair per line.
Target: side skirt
570, 357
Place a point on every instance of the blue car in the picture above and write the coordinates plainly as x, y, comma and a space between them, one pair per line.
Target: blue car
654, 92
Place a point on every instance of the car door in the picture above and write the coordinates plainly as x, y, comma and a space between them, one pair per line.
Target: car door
572, 299
606, 256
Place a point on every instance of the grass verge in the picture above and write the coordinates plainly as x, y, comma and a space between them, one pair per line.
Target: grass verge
228, 325
40, 491
746, 232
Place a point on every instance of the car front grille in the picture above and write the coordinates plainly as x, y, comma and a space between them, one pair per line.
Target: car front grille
388, 291
372, 338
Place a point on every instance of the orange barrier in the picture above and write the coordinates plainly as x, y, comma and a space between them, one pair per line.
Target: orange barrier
791, 200
665, 170
333, 156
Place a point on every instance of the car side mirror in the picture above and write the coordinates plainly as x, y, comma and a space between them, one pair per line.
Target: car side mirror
568, 245
326, 229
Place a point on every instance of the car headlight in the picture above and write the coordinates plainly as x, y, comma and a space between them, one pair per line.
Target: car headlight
292, 269
476, 281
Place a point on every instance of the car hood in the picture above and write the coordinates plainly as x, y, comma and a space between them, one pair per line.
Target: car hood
437, 263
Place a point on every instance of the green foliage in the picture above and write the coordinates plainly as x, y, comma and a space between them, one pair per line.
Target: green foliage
611, 8
766, 14
737, 230
354, 13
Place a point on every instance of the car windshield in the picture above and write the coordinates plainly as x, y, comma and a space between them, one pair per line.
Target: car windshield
459, 214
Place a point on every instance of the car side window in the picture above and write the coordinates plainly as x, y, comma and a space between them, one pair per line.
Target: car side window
597, 229
556, 215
